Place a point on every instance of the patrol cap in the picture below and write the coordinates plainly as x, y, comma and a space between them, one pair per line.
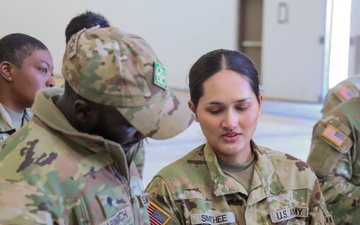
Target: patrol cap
111, 67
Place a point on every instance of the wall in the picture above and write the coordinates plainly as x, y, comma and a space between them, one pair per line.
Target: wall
292, 52
354, 51
179, 31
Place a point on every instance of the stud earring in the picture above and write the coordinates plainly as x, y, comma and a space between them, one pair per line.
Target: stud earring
9, 78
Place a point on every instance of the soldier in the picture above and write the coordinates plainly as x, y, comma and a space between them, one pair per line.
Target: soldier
26, 66
69, 161
334, 156
342, 92
229, 179
90, 19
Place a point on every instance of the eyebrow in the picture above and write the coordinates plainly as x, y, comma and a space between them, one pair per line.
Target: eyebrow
238, 101
43, 61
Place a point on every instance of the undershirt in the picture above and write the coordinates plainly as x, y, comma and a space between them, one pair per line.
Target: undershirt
241, 172
17, 118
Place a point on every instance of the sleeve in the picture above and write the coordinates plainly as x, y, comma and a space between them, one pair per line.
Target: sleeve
162, 208
318, 213
331, 157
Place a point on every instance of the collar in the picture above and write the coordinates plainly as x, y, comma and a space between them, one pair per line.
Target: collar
266, 181
56, 120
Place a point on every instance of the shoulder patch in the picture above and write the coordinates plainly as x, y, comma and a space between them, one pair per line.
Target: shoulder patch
334, 135
157, 215
345, 93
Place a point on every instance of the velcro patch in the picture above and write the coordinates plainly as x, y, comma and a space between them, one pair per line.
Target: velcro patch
206, 218
160, 76
345, 93
334, 135
287, 214
157, 215
143, 200
72, 44
123, 216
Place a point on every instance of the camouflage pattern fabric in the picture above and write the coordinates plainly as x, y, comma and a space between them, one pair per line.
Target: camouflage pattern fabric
335, 158
6, 124
139, 158
52, 174
111, 67
342, 92
194, 190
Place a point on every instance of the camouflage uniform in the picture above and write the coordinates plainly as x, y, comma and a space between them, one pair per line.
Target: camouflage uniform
335, 158
71, 177
342, 92
85, 179
194, 190
6, 125
139, 157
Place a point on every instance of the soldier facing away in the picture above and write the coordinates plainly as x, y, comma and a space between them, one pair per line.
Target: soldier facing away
229, 179
68, 164
334, 156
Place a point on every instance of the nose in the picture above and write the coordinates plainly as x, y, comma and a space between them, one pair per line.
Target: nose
230, 120
50, 82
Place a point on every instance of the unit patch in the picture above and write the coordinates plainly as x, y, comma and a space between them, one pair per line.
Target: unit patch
160, 76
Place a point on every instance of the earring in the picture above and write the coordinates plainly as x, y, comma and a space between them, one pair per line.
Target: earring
9, 78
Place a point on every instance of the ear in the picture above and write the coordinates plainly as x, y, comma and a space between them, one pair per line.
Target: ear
85, 115
192, 108
5, 70
260, 103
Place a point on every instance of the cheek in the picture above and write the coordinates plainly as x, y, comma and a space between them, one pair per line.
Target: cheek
249, 121
209, 124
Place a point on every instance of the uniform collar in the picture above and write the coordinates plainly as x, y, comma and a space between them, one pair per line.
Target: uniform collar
266, 181
44, 103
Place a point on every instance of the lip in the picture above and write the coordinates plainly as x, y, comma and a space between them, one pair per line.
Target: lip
230, 136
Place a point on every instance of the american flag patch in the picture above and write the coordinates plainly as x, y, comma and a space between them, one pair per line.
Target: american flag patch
157, 215
345, 93
334, 135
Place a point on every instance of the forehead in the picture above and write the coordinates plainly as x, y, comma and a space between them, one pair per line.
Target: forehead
227, 80
39, 55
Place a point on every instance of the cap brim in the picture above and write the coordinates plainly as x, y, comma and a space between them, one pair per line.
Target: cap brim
161, 120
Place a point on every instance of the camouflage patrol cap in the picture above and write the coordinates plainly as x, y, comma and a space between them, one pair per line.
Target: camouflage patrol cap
114, 68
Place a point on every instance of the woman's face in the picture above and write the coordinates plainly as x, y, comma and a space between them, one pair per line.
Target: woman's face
228, 113
35, 73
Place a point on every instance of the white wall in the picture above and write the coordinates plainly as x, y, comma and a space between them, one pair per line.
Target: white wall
292, 54
354, 51
179, 31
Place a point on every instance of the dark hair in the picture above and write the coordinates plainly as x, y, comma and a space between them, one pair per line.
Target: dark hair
217, 60
86, 20
17, 46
